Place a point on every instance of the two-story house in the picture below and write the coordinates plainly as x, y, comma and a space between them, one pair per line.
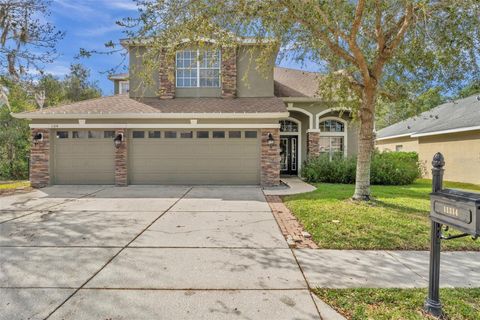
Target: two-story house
209, 117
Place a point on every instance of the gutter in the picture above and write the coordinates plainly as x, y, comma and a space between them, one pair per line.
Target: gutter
396, 136
433, 133
159, 115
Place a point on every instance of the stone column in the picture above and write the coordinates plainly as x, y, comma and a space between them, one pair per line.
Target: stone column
270, 158
313, 143
121, 160
166, 76
40, 159
229, 72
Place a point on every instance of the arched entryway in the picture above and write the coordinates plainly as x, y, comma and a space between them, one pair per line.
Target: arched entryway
290, 146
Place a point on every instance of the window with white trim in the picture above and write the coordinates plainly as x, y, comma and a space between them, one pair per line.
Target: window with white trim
331, 126
333, 137
123, 87
197, 69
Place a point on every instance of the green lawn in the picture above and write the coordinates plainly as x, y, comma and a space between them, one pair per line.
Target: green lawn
396, 219
389, 304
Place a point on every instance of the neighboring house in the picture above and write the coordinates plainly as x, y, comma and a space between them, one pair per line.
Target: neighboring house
198, 122
452, 128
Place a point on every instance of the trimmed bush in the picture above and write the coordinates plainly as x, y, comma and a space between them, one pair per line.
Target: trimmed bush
388, 168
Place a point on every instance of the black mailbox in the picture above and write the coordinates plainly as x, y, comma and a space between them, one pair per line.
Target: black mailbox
457, 209
453, 208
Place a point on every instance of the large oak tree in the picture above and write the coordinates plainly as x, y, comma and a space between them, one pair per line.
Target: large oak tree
368, 50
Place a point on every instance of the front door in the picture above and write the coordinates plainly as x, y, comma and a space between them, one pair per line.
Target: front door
289, 155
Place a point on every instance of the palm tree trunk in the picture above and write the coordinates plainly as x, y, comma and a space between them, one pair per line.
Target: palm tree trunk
365, 145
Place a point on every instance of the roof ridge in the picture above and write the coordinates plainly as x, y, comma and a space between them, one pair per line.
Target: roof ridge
299, 70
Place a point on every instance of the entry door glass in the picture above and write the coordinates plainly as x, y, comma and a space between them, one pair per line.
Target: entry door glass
289, 155
284, 154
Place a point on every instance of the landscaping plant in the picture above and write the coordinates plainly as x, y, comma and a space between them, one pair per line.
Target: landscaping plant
388, 168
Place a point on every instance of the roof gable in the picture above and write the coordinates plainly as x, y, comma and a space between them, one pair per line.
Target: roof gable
462, 113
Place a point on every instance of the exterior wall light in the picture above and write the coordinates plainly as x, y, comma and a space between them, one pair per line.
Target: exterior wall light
38, 137
118, 140
270, 140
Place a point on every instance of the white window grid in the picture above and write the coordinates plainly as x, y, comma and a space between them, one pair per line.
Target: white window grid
197, 69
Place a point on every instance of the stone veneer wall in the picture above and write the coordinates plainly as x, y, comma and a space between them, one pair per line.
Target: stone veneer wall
313, 144
270, 159
40, 159
229, 72
121, 160
166, 76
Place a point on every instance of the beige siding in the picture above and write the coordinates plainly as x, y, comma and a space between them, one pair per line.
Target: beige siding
461, 152
252, 82
408, 144
139, 87
198, 92
194, 161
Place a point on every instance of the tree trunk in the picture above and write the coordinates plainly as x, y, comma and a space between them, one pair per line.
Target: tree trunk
365, 144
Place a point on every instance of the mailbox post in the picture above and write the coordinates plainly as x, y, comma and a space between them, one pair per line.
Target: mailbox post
432, 304
453, 208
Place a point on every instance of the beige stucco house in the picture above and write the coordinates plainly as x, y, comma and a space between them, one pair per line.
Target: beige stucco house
197, 122
452, 128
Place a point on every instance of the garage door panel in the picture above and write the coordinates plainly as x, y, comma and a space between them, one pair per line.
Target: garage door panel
195, 178
194, 161
84, 161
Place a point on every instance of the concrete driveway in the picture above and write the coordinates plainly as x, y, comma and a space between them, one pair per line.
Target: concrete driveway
145, 252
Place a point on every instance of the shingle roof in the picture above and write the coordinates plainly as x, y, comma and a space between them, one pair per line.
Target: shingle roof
295, 83
122, 104
462, 113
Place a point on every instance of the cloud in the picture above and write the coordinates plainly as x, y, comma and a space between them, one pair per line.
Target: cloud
122, 4
97, 31
80, 10
58, 69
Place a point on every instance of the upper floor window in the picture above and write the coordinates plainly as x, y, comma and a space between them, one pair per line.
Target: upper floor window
331, 126
123, 87
198, 69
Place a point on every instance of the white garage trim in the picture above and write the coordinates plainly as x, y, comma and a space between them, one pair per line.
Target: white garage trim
157, 126
158, 115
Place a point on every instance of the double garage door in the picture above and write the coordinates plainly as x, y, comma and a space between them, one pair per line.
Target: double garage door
159, 157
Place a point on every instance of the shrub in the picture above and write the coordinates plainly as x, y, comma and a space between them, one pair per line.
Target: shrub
394, 168
388, 168
321, 169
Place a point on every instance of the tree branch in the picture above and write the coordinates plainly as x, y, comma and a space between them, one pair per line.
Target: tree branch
357, 21
378, 26
388, 49
335, 47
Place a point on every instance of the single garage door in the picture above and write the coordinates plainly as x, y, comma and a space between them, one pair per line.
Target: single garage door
84, 157
194, 157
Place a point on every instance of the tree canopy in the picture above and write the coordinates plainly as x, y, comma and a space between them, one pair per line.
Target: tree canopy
27, 40
368, 50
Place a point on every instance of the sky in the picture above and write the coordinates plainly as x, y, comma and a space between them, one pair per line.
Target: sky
89, 24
